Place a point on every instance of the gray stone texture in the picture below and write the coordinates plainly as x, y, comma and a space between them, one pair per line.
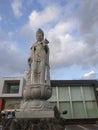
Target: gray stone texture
37, 88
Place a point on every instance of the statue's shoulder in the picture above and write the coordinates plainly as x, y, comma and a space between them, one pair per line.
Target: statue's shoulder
33, 45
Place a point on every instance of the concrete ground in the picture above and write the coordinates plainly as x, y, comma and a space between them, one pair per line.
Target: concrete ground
82, 127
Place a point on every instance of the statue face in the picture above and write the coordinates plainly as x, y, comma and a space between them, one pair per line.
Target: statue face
39, 37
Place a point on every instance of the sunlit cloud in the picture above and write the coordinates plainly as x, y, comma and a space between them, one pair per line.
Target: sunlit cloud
90, 75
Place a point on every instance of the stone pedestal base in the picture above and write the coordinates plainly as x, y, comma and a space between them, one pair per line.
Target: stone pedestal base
32, 109
35, 105
34, 114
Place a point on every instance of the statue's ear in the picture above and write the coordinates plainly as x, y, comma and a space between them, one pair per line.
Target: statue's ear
31, 48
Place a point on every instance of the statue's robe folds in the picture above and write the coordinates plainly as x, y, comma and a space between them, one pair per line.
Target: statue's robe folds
40, 63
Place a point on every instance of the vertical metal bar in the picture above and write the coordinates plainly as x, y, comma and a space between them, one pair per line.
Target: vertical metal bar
57, 97
84, 101
70, 101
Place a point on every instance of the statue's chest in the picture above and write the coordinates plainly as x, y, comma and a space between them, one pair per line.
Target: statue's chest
39, 49
39, 52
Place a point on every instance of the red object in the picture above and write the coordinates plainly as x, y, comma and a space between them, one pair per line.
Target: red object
1, 107
1, 104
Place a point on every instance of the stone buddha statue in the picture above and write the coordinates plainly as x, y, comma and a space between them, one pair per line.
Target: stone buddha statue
39, 60
38, 76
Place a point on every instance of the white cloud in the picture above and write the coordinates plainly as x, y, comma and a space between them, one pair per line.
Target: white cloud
16, 7
13, 59
61, 28
71, 28
49, 14
88, 21
40, 19
64, 45
90, 75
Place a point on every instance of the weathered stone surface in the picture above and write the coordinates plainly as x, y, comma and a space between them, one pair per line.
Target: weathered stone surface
38, 76
37, 88
35, 105
39, 60
37, 91
34, 114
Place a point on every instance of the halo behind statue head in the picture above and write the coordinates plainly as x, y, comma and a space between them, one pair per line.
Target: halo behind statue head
40, 31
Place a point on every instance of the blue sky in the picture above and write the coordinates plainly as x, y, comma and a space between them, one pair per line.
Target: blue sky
71, 26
